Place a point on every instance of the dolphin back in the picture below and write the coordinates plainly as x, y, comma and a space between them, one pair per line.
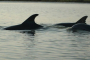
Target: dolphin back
80, 26
28, 24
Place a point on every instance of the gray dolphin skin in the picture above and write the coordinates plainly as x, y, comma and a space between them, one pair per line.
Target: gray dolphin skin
28, 24
82, 20
80, 26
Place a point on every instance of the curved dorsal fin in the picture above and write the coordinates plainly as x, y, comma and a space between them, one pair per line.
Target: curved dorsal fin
30, 20
82, 20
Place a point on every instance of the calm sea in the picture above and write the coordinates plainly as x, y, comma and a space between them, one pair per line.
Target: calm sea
52, 43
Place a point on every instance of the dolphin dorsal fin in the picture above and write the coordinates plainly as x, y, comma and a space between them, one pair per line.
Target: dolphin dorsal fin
82, 20
30, 20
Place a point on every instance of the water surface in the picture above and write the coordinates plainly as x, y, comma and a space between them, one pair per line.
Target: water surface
43, 44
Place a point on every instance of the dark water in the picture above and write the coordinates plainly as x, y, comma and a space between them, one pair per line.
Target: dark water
51, 43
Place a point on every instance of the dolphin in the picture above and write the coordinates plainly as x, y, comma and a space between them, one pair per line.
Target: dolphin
28, 24
82, 20
80, 26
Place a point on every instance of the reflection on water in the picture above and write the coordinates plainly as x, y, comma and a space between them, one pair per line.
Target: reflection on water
32, 32
48, 43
